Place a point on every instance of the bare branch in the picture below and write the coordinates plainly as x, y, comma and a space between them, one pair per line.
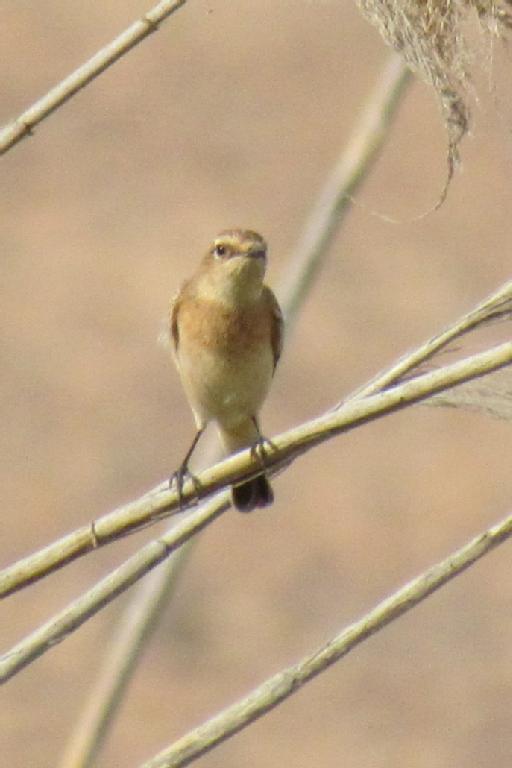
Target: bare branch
241, 465
282, 685
495, 307
25, 123
72, 617
285, 447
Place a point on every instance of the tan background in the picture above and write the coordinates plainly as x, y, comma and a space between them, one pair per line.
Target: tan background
231, 116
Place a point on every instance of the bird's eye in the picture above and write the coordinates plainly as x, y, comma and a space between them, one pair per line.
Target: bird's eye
220, 250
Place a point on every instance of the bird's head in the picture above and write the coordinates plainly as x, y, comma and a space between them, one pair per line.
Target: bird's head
234, 266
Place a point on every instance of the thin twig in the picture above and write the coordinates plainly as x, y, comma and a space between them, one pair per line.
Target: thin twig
491, 308
282, 685
285, 447
25, 123
305, 261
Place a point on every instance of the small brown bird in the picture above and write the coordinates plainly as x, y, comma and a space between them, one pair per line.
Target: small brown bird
227, 329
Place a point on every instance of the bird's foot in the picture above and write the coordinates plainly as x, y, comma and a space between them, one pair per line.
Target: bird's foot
179, 478
260, 450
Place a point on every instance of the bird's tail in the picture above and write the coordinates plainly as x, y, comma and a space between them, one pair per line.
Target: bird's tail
257, 491
251, 494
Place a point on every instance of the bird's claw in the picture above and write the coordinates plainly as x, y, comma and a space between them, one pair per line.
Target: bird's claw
179, 478
261, 448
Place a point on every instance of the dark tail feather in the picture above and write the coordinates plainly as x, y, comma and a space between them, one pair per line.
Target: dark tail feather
254, 493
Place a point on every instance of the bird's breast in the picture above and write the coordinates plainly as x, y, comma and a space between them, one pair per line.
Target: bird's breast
222, 329
225, 359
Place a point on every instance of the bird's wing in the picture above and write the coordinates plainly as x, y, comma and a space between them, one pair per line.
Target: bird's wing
277, 325
173, 320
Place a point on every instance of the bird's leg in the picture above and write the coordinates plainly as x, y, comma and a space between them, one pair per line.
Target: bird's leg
183, 470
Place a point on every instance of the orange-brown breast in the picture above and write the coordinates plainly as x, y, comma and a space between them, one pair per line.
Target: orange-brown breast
227, 331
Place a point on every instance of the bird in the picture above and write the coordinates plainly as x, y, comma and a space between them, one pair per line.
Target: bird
226, 332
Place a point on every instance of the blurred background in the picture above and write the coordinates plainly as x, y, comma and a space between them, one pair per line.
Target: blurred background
232, 115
